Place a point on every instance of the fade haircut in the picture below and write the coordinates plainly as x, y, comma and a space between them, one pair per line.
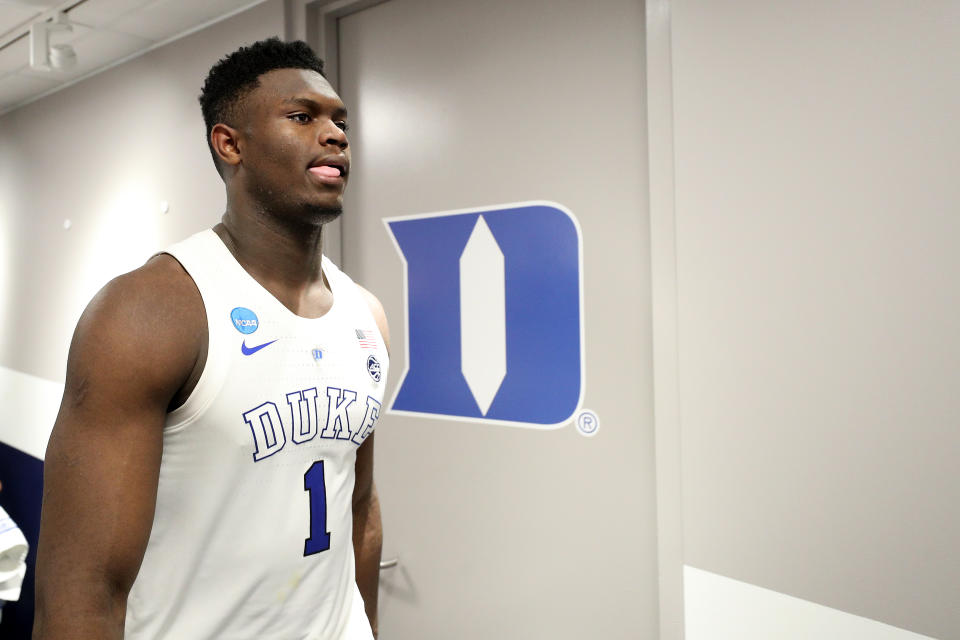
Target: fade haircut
234, 76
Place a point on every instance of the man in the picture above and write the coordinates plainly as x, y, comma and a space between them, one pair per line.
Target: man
210, 473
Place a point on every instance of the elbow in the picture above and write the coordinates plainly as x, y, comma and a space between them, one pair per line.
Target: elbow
78, 611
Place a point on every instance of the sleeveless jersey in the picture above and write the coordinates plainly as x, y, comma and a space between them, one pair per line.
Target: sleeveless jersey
252, 535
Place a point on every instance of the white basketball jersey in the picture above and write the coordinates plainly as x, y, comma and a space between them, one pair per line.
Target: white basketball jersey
252, 536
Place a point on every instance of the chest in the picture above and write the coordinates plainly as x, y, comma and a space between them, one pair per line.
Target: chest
302, 386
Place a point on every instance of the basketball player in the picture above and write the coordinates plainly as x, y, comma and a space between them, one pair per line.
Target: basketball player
210, 473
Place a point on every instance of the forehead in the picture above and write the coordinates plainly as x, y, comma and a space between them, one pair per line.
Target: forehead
282, 84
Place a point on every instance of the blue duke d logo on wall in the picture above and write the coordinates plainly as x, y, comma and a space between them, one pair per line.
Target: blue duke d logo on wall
494, 314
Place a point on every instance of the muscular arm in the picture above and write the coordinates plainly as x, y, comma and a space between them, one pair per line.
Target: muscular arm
133, 349
367, 528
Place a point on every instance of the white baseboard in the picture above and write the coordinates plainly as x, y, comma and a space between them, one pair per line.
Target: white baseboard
30, 406
720, 608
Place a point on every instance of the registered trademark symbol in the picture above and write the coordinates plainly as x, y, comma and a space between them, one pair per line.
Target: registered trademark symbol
588, 423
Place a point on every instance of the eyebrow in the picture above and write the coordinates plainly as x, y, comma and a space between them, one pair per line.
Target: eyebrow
316, 106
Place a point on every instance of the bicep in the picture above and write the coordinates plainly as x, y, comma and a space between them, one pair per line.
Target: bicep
103, 459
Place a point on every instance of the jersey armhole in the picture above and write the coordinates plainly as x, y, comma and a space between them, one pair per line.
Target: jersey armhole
214, 369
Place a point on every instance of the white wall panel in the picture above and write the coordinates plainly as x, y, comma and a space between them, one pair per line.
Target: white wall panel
30, 406
720, 608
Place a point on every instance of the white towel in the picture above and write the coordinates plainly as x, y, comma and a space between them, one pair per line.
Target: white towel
13, 555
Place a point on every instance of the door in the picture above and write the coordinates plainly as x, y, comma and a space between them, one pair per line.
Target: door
474, 123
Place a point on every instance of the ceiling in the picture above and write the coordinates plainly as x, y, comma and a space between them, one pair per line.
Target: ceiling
105, 33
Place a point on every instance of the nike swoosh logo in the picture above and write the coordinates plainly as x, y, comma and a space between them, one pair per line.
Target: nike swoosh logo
249, 351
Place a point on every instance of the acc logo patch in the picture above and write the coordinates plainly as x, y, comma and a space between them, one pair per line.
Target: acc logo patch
373, 368
494, 307
244, 320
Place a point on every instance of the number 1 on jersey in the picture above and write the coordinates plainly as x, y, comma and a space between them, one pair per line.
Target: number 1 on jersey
315, 485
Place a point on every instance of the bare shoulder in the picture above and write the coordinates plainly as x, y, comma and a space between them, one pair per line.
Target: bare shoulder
378, 314
158, 300
147, 327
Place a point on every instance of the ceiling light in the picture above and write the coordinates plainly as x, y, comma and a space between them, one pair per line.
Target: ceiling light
62, 57
43, 56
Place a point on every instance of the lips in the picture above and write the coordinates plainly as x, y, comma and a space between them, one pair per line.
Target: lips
330, 167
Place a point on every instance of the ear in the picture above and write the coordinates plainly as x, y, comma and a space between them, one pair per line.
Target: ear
226, 144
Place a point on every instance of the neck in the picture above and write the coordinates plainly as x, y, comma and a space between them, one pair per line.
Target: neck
284, 256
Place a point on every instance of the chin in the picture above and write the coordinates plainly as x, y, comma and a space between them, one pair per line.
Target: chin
323, 213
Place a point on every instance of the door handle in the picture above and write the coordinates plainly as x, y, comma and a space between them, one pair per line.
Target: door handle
389, 564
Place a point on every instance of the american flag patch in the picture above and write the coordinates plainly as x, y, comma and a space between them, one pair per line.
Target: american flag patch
366, 339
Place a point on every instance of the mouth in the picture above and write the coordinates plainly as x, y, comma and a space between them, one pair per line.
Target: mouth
330, 170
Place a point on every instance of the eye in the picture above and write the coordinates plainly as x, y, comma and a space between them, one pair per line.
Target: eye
343, 125
301, 118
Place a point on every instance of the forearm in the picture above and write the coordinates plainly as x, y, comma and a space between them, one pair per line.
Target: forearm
367, 543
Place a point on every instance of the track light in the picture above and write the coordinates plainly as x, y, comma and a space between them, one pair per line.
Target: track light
47, 57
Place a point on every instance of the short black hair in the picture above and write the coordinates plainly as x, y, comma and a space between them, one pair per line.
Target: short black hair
237, 74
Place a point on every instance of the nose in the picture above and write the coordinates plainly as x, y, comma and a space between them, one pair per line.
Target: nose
334, 135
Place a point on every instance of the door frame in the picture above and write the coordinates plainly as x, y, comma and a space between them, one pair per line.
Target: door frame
664, 291
316, 23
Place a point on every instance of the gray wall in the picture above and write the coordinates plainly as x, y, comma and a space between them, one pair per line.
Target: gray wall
104, 153
817, 233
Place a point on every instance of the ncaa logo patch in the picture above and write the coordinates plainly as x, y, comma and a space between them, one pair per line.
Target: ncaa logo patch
244, 320
494, 305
